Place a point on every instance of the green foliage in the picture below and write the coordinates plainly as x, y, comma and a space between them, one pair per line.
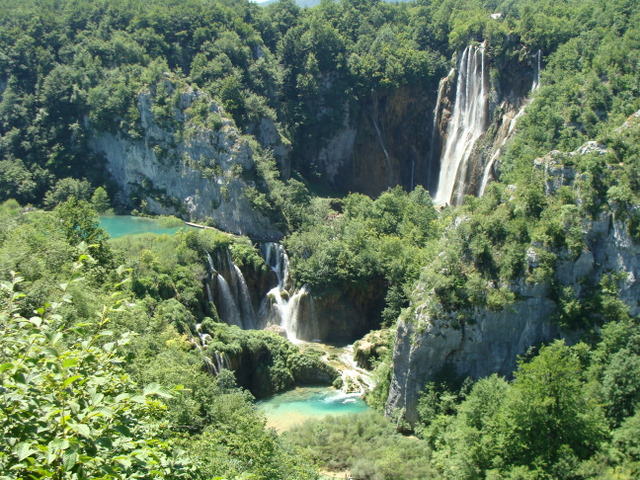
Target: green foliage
548, 398
365, 243
366, 445
541, 425
66, 189
68, 409
271, 364
100, 201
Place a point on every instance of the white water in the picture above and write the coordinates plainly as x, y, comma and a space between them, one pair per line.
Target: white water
283, 309
277, 259
236, 307
210, 262
230, 312
536, 77
220, 362
244, 298
381, 141
467, 123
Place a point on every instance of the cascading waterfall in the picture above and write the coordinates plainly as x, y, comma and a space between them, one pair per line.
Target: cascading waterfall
277, 259
227, 289
467, 124
244, 298
281, 308
230, 311
232, 293
536, 77
220, 362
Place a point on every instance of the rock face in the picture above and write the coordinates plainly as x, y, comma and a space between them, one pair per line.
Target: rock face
189, 160
339, 316
383, 142
431, 346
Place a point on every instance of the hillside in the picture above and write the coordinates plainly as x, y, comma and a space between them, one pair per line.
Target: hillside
425, 211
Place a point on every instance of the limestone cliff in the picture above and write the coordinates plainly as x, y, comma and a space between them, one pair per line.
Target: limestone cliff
431, 345
187, 158
340, 316
384, 141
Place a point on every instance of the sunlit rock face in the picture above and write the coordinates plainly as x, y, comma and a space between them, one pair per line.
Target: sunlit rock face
431, 345
187, 159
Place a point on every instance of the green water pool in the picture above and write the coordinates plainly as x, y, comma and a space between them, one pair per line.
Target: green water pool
296, 406
121, 225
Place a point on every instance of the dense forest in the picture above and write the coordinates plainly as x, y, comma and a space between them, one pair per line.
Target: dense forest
500, 331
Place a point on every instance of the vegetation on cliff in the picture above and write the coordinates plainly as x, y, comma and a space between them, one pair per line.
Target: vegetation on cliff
103, 370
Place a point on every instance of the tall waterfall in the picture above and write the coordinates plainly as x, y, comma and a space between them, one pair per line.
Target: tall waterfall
467, 124
280, 307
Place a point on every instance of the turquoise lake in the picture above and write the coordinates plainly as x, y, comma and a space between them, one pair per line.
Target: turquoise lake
121, 225
296, 406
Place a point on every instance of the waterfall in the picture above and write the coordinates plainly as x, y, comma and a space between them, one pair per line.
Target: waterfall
536, 76
230, 311
207, 287
434, 147
220, 362
277, 260
467, 123
244, 297
204, 337
227, 288
232, 293
280, 307
210, 263
381, 141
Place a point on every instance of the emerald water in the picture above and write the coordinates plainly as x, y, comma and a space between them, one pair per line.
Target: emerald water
121, 225
296, 406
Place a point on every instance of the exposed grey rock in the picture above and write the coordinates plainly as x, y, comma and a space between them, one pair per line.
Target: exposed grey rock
196, 171
557, 173
428, 348
337, 152
430, 344
634, 119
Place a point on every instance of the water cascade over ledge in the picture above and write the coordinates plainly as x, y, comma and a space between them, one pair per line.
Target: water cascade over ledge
280, 307
227, 289
467, 124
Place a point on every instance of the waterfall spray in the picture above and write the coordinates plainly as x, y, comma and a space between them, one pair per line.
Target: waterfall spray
467, 124
282, 308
